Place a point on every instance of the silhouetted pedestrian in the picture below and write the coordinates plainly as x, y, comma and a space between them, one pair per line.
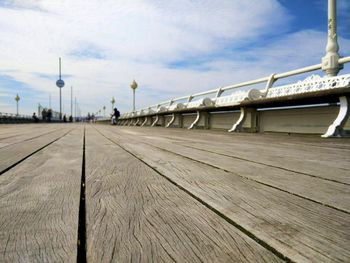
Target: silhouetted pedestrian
115, 116
36, 119
49, 115
44, 114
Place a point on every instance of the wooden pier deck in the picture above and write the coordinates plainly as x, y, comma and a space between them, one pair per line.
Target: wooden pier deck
101, 193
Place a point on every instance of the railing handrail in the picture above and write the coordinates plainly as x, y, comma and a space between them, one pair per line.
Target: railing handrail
247, 83
14, 115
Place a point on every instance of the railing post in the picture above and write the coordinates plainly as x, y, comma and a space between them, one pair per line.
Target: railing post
195, 122
336, 128
137, 122
330, 62
154, 123
253, 121
173, 116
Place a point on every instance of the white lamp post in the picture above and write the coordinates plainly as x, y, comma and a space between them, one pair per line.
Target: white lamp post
330, 62
71, 101
60, 85
17, 98
133, 86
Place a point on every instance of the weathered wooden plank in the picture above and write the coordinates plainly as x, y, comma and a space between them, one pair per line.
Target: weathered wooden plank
18, 129
39, 202
298, 228
326, 192
312, 156
7, 132
314, 141
12, 154
134, 214
4, 128
32, 132
329, 164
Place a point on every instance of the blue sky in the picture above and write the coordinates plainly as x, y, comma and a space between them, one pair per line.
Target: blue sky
172, 48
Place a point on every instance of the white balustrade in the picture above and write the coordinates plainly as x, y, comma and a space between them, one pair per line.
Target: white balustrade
313, 84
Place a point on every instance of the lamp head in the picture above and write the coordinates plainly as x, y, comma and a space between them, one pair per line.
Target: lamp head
133, 85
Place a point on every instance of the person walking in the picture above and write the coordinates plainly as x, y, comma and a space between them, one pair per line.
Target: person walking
115, 116
36, 119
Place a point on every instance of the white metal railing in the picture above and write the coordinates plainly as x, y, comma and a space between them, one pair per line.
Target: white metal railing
240, 95
12, 115
4, 116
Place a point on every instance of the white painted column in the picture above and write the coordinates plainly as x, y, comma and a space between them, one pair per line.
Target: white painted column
330, 62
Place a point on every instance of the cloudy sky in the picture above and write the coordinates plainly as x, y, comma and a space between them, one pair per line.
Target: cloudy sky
171, 48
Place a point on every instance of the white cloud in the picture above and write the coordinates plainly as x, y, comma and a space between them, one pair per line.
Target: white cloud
106, 44
139, 30
4, 94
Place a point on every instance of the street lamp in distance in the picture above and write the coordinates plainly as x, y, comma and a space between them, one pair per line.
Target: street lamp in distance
133, 86
60, 85
17, 98
112, 101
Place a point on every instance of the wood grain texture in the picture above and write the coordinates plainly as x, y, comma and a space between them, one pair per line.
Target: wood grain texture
134, 214
12, 130
298, 228
179, 196
333, 194
39, 202
329, 164
11, 154
325, 158
9, 128
18, 135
